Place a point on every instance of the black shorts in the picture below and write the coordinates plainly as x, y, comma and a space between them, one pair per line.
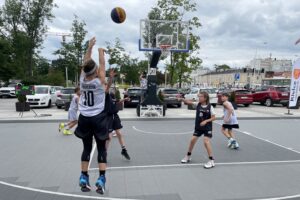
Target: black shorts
115, 123
96, 126
199, 133
230, 126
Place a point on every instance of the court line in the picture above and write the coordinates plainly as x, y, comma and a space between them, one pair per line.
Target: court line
92, 154
265, 140
198, 164
156, 133
282, 198
59, 193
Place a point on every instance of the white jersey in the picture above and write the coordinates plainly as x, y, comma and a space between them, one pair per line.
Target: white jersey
233, 118
143, 83
92, 98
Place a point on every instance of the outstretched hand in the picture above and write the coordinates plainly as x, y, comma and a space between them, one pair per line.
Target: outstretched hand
92, 42
112, 73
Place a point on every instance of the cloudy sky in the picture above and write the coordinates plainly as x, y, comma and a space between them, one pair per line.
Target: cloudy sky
233, 31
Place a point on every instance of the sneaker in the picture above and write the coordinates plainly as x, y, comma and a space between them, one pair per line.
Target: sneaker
230, 142
100, 184
84, 183
210, 164
114, 135
235, 145
67, 132
186, 159
125, 154
61, 126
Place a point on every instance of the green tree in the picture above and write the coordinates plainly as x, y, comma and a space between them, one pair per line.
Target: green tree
182, 64
28, 18
71, 54
223, 67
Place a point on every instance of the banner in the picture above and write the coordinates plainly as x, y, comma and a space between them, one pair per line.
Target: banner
295, 84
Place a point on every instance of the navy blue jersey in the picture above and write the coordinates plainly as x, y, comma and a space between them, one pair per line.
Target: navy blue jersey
203, 113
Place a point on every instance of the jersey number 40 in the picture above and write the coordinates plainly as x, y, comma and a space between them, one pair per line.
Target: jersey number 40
88, 98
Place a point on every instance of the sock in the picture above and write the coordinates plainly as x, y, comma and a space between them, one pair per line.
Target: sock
123, 148
85, 173
189, 153
102, 172
211, 158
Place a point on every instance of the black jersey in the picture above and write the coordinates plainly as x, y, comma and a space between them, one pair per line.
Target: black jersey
202, 114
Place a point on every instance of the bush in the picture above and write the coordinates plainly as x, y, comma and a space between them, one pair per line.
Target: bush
22, 98
118, 95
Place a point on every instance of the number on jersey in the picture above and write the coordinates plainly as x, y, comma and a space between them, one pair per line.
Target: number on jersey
88, 98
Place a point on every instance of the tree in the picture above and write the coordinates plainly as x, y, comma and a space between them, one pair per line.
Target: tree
182, 64
28, 18
223, 67
71, 54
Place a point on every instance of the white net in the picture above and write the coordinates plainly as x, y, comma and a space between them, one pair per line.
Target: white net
165, 49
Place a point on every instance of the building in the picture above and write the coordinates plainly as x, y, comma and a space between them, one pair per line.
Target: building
271, 65
230, 78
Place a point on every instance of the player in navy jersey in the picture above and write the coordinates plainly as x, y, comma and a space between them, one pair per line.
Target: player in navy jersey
205, 115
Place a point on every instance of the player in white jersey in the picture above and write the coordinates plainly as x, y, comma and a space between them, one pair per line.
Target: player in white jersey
92, 122
229, 122
72, 115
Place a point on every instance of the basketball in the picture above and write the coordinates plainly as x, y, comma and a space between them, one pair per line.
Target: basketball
118, 15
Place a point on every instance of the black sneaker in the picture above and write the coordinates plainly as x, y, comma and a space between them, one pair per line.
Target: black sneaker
125, 154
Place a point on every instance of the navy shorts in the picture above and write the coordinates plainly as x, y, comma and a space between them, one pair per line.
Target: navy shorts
96, 126
199, 133
230, 126
115, 123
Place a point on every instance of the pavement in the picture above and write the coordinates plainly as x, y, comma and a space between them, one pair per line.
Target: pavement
7, 108
39, 163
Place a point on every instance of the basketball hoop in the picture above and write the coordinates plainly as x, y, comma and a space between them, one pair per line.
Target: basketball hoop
165, 49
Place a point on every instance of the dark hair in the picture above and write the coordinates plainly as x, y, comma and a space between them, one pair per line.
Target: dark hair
88, 65
206, 96
225, 95
77, 89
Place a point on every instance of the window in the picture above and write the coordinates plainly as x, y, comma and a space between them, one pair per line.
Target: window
41, 90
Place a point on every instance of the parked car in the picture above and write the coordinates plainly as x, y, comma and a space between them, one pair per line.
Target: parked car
44, 96
212, 92
242, 97
64, 96
58, 89
270, 95
9, 91
170, 96
135, 95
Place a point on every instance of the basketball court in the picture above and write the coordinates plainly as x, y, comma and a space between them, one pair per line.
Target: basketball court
39, 163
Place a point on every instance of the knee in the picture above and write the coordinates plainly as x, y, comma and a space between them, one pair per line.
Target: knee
206, 140
86, 154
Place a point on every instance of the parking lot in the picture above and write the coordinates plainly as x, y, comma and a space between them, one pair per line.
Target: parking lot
8, 112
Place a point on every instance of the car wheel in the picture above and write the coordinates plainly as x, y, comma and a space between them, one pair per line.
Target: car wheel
246, 105
214, 105
269, 102
179, 105
49, 104
59, 107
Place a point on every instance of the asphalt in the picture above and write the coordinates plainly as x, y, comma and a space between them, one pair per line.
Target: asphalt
39, 163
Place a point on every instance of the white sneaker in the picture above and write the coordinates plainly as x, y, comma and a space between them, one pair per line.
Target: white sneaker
114, 135
210, 164
230, 141
186, 159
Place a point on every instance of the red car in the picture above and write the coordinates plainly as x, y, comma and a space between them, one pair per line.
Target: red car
270, 95
242, 97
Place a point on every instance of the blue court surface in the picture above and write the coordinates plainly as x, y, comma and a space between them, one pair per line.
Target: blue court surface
39, 163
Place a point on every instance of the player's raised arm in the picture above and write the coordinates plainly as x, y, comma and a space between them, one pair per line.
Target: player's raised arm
88, 54
101, 71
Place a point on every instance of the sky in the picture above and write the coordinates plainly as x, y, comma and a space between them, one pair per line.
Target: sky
233, 31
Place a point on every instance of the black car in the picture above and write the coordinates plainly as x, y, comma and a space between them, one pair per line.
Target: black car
135, 95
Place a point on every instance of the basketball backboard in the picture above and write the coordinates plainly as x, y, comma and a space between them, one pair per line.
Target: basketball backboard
155, 34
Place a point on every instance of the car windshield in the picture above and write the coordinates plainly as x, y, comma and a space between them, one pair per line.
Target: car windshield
168, 91
68, 91
134, 91
209, 91
282, 89
41, 90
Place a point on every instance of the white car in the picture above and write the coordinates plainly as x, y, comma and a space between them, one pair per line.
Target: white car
213, 96
44, 96
9, 91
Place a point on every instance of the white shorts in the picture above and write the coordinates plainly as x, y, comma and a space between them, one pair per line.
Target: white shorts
72, 115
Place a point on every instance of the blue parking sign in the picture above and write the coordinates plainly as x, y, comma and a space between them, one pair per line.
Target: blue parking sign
237, 77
